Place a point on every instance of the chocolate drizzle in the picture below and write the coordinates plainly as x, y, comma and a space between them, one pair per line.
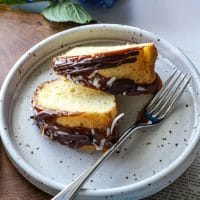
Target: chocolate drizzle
118, 86
129, 87
75, 137
81, 65
84, 70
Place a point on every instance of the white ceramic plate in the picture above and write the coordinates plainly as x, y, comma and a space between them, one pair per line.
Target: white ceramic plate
147, 162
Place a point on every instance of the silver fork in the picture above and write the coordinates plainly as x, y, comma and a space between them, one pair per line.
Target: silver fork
158, 108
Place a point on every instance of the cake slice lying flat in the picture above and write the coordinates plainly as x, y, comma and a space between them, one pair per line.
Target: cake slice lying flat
125, 69
75, 115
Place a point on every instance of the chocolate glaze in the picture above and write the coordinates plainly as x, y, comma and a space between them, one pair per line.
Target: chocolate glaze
129, 87
118, 86
81, 65
75, 137
83, 70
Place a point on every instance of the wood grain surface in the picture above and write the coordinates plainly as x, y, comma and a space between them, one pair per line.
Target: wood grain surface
19, 31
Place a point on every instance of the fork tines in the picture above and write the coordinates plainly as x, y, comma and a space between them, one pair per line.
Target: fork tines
164, 100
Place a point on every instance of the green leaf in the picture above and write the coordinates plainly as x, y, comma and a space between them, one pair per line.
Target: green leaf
67, 12
16, 2
9, 2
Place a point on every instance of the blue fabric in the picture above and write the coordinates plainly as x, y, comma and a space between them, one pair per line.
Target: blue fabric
100, 3
96, 3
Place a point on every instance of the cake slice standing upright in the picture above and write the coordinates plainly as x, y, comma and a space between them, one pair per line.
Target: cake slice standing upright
123, 69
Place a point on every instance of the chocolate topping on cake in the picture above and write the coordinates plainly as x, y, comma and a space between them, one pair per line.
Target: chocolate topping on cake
117, 86
75, 137
80, 65
84, 70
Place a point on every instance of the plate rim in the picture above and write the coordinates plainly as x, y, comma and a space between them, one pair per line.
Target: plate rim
23, 165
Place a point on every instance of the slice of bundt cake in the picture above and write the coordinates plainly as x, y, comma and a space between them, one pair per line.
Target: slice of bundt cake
75, 115
125, 69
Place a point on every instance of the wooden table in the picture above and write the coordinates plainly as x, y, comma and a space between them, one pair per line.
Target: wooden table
18, 32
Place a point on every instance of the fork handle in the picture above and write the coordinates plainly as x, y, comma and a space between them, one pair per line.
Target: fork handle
71, 191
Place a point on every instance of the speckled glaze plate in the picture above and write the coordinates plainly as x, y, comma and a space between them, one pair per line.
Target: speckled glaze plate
145, 164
